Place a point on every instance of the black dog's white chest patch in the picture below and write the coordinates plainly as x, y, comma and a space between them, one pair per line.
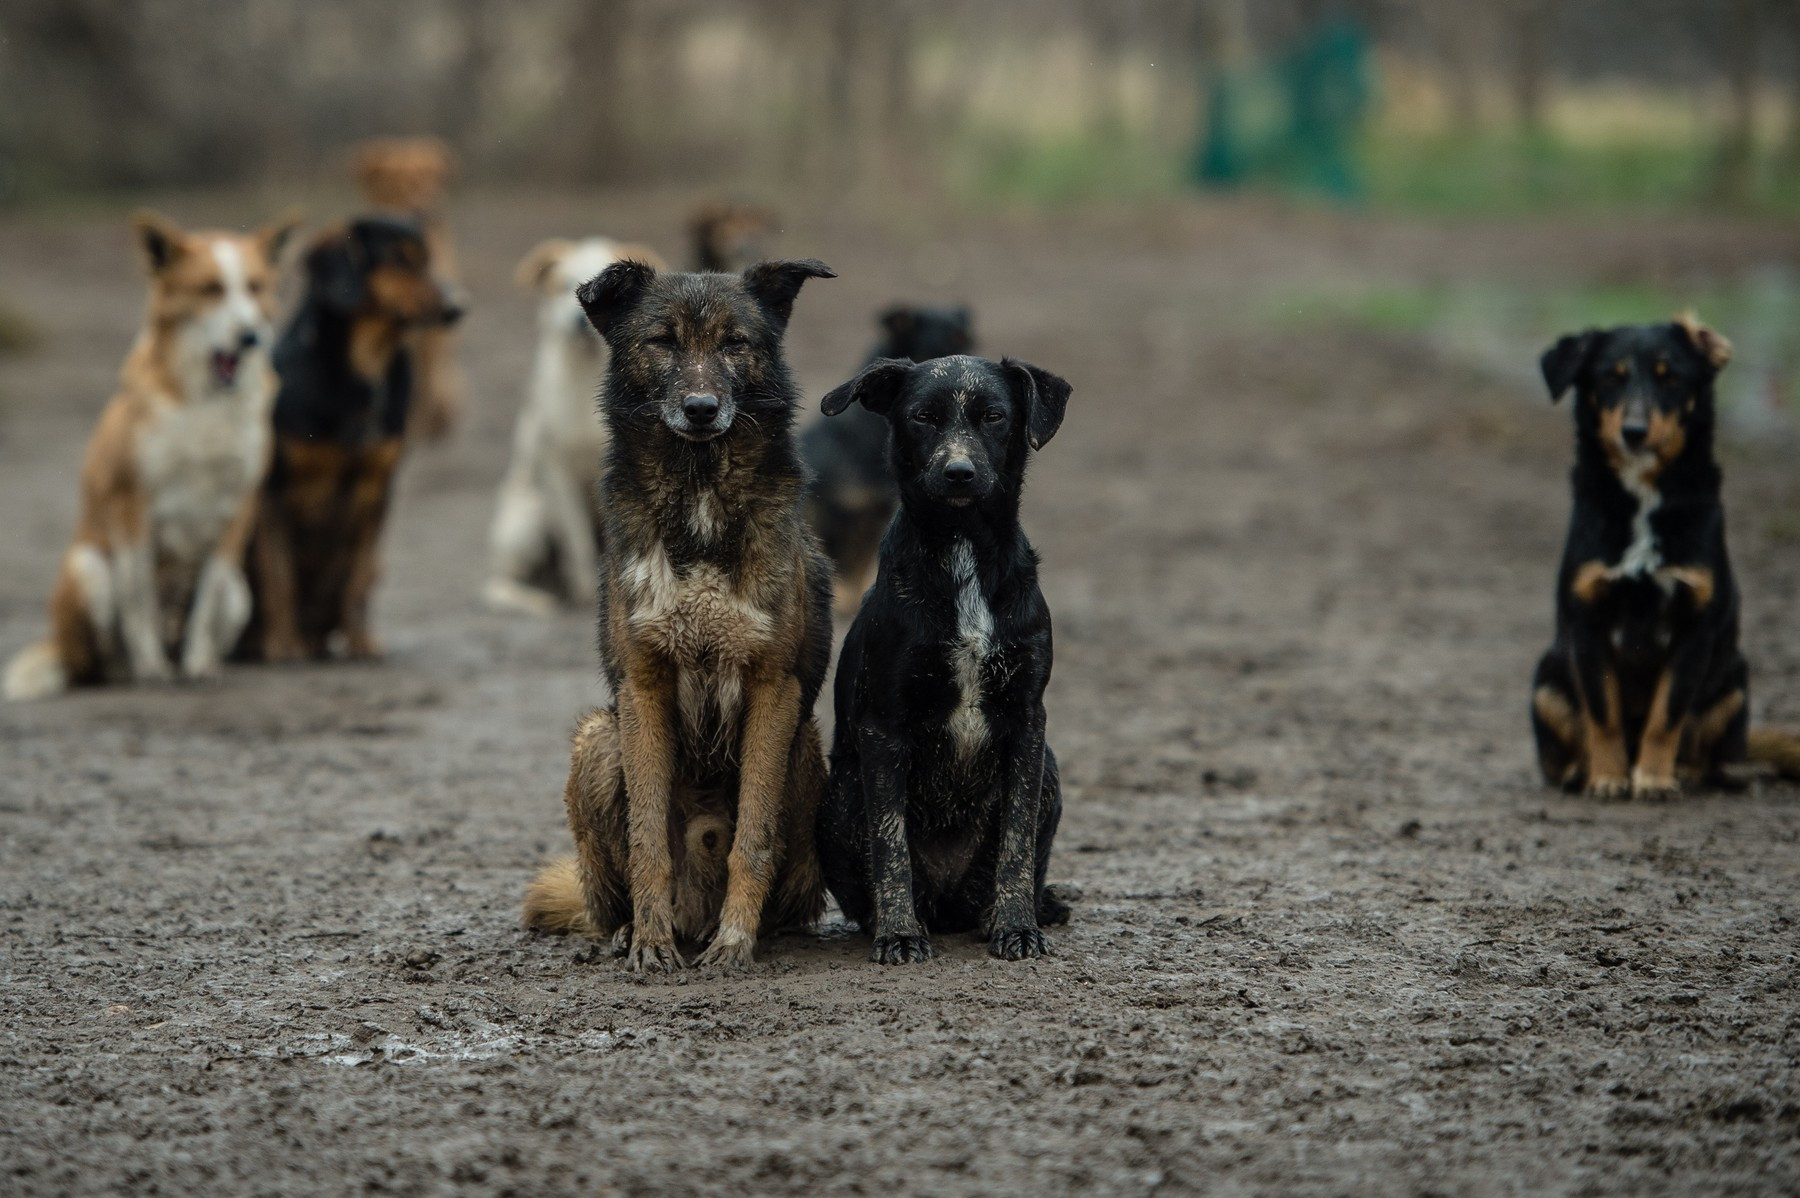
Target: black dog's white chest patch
969, 651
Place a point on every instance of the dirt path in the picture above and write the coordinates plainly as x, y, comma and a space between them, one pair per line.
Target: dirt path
259, 937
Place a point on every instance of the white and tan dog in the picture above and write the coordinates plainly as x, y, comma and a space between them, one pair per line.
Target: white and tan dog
546, 525
154, 582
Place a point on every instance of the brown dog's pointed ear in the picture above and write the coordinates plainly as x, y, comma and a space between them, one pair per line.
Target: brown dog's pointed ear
876, 387
158, 237
610, 295
775, 284
274, 236
535, 267
1045, 397
1713, 347
1562, 362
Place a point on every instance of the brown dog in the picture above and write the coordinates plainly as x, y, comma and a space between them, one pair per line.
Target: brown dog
410, 176
729, 237
340, 423
715, 630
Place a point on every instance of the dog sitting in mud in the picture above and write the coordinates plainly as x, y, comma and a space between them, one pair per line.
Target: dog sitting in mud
944, 797
410, 177
692, 800
545, 525
1645, 686
153, 582
852, 496
340, 425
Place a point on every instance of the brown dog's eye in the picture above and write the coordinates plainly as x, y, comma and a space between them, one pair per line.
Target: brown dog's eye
212, 290
1622, 368
737, 343
1662, 370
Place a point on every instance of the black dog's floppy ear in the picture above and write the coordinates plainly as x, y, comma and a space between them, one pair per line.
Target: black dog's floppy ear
1710, 345
615, 291
875, 388
1562, 362
1043, 395
775, 284
335, 266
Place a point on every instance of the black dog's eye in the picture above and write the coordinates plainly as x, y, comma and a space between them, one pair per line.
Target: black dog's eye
993, 416
923, 417
664, 340
737, 343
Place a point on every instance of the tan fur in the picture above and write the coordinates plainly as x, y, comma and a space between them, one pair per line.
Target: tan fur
1780, 749
1654, 774
412, 175
1603, 740
1712, 346
152, 583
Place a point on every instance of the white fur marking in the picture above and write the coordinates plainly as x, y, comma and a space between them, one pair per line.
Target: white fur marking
1644, 555
975, 638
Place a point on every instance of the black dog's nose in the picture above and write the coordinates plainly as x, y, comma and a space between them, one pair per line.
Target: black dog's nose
959, 470
700, 409
1635, 435
248, 339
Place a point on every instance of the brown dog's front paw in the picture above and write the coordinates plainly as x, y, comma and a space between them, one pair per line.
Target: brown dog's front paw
361, 646
644, 955
1654, 786
1608, 788
1017, 944
729, 950
901, 950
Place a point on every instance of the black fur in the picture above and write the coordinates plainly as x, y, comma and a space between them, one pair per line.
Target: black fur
852, 492
1627, 608
918, 832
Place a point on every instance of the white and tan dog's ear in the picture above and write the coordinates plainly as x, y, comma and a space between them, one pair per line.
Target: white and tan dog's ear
536, 268
273, 237
160, 239
1712, 346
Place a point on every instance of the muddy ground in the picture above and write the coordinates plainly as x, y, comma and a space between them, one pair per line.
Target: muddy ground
260, 936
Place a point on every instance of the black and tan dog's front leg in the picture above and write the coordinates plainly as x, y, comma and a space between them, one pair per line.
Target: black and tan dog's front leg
647, 744
1014, 933
899, 936
1653, 776
772, 716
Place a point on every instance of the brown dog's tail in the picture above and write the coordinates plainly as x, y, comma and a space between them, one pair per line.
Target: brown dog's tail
553, 901
37, 672
1777, 748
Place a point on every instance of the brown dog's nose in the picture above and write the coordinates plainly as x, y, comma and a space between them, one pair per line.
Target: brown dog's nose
700, 409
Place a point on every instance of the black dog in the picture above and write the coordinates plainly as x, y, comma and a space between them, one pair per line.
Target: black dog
852, 495
944, 797
346, 369
1644, 684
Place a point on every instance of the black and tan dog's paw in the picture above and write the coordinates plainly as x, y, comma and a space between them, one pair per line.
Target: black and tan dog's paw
901, 950
1654, 787
1017, 944
1606, 787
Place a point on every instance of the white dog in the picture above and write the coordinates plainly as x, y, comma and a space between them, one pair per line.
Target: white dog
546, 527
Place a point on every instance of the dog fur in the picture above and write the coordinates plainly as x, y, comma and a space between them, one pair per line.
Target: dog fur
153, 583
410, 176
944, 797
715, 631
852, 495
546, 526
345, 363
1645, 685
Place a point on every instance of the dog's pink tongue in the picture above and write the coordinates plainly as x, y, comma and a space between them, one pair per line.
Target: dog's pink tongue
225, 366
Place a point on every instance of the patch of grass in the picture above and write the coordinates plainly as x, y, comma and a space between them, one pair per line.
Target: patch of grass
989, 167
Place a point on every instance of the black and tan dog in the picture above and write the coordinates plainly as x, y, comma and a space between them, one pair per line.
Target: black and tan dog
692, 800
1645, 685
852, 495
944, 797
347, 385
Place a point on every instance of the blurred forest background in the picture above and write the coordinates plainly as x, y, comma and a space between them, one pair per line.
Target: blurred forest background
1449, 106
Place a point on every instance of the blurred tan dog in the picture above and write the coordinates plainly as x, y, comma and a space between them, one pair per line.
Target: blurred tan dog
154, 581
546, 527
411, 175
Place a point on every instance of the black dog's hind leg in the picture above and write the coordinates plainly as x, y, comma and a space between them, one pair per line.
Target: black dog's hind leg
1556, 722
899, 936
1051, 911
1019, 872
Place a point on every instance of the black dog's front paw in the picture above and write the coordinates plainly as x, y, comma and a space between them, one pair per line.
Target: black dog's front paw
1017, 944
901, 950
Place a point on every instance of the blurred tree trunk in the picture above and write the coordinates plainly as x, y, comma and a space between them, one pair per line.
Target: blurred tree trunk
466, 89
1740, 32
1530, 40
595, 141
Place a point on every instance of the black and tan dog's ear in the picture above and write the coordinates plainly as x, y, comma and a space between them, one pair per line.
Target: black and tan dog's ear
533, 270
776, 283
875, 388
1043, 395
897, 320
274, 236
1711, 346
609, 296
335, 269
159, 238
1561, 363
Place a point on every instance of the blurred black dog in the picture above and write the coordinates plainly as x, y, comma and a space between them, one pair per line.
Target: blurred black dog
944, 797
852, 493
1645, 684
